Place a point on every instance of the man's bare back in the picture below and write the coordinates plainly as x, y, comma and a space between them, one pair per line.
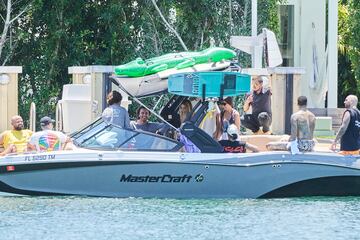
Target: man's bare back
302, 130
302, 125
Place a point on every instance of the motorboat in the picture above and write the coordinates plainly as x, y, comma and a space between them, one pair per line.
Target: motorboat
114, 162
110, 161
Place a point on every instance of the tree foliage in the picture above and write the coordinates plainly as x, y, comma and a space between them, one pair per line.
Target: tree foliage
354, 38
11, 13
348, 49
346, 80
56, 34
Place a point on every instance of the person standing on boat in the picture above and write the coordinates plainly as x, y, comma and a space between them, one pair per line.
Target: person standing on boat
225, 118
348, 134
232, 145
47, 140
115, 113
143, 122
18, 136
302, 131
260, 102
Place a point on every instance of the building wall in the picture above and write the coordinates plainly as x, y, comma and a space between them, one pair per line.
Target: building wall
8, 95
307, 13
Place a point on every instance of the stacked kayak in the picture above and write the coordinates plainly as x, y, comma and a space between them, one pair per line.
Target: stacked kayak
175, 61
147, 77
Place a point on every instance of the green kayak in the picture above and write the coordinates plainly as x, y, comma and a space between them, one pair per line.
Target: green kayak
140, 67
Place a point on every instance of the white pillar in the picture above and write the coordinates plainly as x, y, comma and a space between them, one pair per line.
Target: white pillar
9, 78
256, 55
332, 53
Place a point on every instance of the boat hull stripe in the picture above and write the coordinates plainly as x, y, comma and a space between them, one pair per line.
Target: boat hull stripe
58, 165
325, 186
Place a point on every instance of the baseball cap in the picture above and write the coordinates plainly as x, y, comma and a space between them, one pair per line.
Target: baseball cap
46, 121
232, 129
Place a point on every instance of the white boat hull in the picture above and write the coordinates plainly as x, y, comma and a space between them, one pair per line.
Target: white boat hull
180, 175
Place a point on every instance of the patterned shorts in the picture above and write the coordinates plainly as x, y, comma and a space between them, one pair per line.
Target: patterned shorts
306, 145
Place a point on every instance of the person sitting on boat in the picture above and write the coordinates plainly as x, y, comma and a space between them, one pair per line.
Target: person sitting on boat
18, 136
348, 134
232, 145
47, 140
143, 122
226, 117
185, 111
115, 113
302, 131
260, 102
10, 149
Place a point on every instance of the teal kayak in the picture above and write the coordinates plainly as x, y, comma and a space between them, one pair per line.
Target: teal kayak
209, 84
140, 67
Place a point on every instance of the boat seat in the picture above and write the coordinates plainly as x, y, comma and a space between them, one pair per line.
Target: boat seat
200, 138
261, 140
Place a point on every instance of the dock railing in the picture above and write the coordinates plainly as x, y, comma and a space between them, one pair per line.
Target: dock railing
32, 118
59, 117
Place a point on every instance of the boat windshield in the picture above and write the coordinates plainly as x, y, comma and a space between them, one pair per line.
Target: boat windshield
80, 135
112, 137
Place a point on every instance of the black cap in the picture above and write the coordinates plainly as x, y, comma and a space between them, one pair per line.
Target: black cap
44, 121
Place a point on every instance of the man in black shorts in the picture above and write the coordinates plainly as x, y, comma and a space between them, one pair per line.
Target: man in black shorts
260, 101
348, 134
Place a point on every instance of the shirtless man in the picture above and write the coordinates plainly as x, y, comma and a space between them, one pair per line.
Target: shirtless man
302, 126
349, 130
302, 130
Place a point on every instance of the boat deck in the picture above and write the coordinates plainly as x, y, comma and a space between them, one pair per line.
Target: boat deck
322, 145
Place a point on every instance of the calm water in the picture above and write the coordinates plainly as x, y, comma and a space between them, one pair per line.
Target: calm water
133, 218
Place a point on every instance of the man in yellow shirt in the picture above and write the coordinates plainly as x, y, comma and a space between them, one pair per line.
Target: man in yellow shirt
17, 136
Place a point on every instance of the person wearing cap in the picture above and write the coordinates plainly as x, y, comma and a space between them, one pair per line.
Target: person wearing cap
232, 145
17, 137
227, 116
47, 140
260, 102
115, 113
